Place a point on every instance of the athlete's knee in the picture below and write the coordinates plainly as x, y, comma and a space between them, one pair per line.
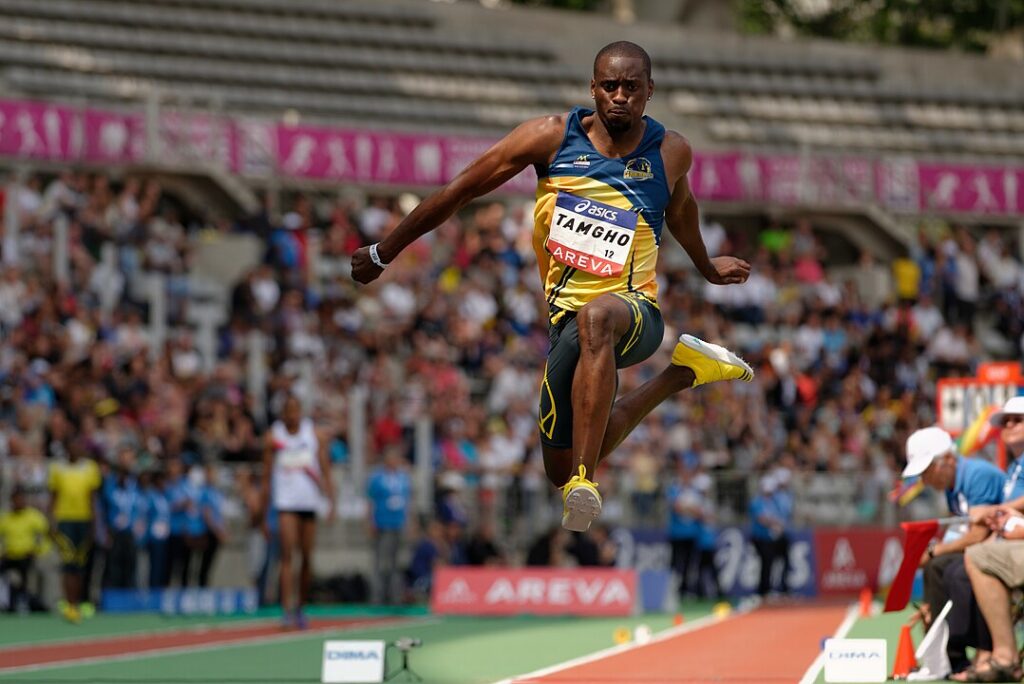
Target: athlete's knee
286, 555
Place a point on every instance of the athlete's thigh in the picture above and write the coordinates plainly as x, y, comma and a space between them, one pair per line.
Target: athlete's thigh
288, 530
645, 334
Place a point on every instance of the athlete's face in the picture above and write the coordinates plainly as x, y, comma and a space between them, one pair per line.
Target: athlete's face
620, 88
292, 413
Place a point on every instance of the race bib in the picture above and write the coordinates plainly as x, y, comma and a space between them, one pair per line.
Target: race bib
298, 457
590, 236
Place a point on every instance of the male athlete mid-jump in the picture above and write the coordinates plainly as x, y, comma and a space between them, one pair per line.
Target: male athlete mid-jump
609, 181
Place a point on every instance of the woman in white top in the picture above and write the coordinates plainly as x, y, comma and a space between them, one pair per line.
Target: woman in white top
297, 471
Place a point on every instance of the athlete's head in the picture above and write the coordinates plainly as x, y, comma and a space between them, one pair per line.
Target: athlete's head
17, 499
621, 85
291, 412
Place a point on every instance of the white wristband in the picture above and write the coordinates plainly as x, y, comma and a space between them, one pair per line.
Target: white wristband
375, 257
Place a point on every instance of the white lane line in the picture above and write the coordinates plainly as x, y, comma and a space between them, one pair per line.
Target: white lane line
241, 642
669, 633
844, 628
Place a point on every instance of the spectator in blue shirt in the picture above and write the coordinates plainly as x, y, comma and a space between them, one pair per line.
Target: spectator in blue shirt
158, 527
187, 526
389, 489
707, 541
211, 512
783, 500
684, 502
967, 482
125, 520
38, 391
766, 528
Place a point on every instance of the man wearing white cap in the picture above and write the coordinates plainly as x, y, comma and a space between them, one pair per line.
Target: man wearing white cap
967, 482
995, 569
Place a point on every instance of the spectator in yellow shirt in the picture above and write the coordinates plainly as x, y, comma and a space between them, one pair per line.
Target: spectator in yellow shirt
23, 532
72, 514
907, 275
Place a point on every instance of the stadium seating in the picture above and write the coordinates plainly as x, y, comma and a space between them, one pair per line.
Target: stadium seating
411, 65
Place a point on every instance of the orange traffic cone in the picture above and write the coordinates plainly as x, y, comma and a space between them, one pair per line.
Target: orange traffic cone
905, 661
866, 597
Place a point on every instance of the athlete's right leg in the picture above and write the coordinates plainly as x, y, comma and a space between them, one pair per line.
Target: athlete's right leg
694, 363
633, 406
288, 528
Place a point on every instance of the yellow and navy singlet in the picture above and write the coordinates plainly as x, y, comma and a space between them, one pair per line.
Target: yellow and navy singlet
597, 220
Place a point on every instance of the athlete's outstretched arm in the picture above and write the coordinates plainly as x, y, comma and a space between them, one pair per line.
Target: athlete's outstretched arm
683, 219
532, 142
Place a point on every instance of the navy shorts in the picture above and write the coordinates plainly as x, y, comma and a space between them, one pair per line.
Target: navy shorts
643, 339
74, 541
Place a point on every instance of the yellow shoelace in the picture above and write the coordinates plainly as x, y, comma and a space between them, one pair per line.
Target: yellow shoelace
582, 477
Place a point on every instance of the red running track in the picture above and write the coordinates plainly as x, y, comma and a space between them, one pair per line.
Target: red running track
105, 647
767, 645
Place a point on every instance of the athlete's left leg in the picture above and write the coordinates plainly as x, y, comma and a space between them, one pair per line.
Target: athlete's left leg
601, 323
307, 540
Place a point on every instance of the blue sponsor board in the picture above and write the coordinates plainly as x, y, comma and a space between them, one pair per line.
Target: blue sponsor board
738, 565
226, 601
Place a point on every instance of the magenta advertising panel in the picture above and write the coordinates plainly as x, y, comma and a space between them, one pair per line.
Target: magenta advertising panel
260, 148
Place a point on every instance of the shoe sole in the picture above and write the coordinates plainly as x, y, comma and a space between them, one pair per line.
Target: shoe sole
724, 356
582, 507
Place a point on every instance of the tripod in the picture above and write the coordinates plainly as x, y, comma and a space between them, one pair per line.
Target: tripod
410, 674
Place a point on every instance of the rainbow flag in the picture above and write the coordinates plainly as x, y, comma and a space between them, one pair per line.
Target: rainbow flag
979, 433
906, 491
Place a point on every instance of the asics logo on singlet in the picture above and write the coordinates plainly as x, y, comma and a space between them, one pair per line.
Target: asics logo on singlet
586, 207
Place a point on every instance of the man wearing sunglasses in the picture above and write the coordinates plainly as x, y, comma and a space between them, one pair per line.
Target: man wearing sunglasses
996, 567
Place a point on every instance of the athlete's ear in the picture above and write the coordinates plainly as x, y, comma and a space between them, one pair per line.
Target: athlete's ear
650, 88
593, 93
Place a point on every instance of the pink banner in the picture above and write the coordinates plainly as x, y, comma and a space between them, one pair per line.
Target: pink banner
260, 148
36, 130
901, 185
536, 591
379, 157
112, 138
186, 137
972, 189
365, 156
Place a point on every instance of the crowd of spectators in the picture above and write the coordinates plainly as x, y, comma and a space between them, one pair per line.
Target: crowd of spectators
846, 354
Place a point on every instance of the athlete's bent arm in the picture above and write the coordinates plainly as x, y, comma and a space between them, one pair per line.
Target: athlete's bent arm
682, 217
532, 142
